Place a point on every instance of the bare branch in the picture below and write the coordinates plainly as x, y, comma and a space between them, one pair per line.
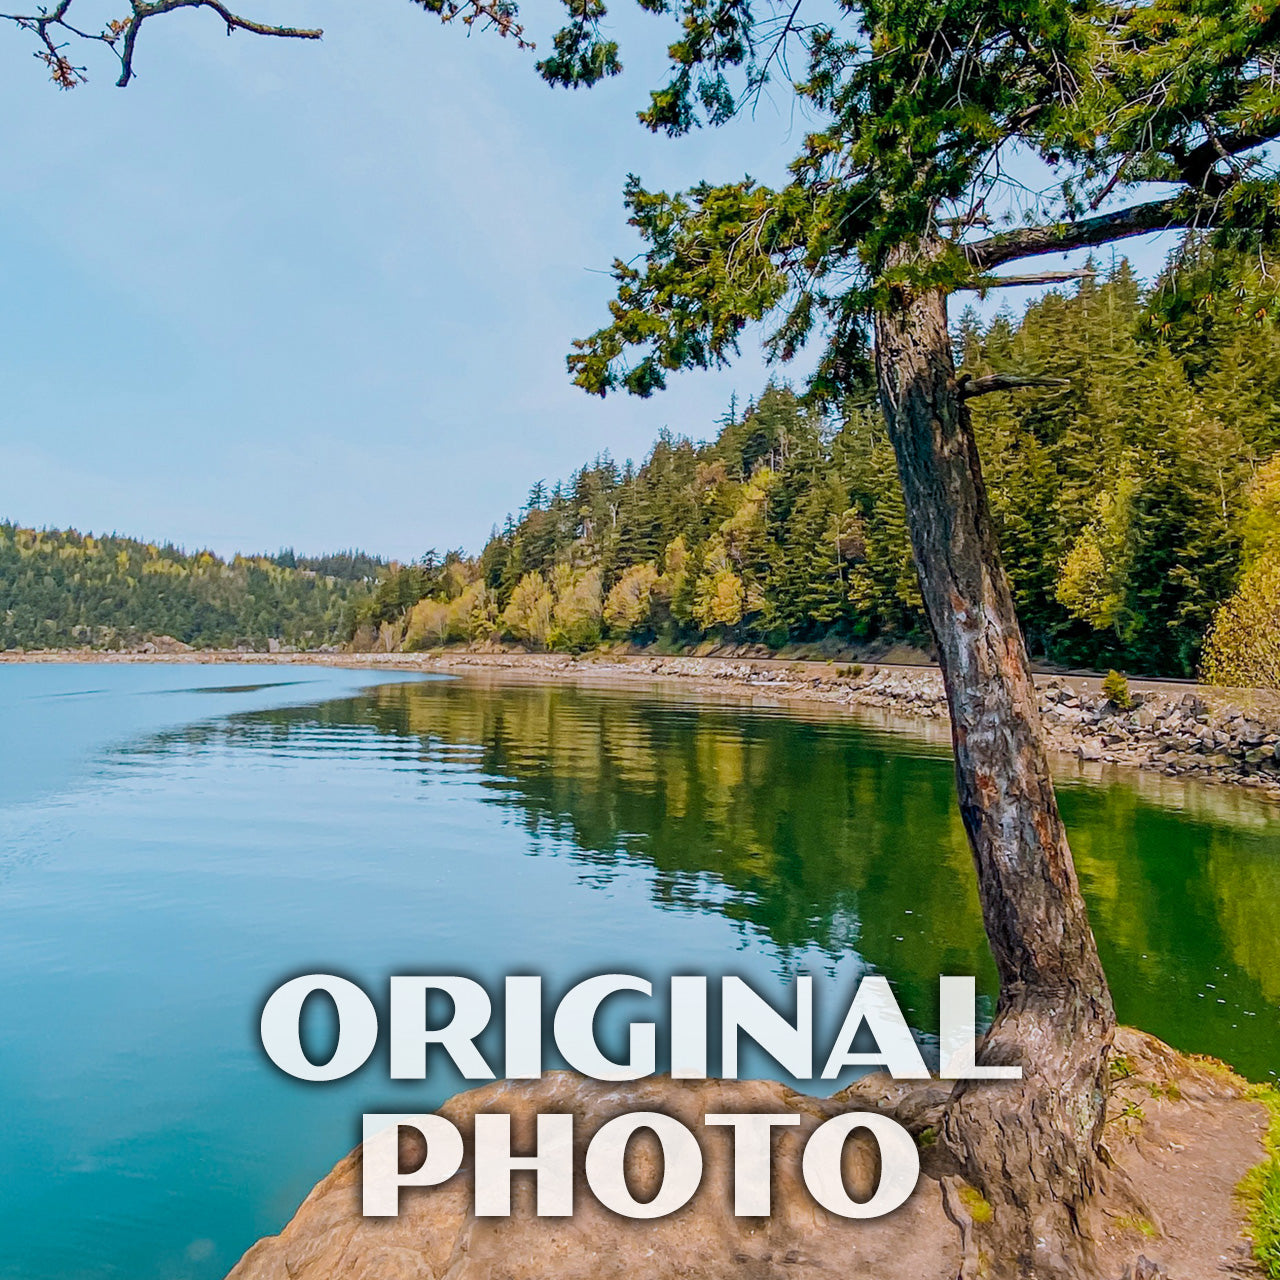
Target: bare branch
142, 11
779, 44
970, 220
1111, 183
968, 386
1036, 277
121, 35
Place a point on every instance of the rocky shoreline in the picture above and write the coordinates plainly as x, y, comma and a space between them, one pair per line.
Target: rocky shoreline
1179, 731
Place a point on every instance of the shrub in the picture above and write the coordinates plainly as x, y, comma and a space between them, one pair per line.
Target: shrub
1116, 687
1260, 1191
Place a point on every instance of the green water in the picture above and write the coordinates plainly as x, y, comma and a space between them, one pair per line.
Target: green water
175, 842
812, 834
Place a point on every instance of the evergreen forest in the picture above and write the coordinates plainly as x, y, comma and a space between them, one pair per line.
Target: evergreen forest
1138, 504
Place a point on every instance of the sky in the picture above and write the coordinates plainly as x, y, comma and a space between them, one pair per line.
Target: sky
319, 295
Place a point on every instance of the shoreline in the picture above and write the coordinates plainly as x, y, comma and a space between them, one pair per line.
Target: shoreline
1175, 730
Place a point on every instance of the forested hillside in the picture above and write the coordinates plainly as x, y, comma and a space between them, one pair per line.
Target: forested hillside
1131, 501
62, 589
1138, 506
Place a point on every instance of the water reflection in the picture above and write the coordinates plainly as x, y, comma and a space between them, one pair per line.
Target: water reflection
817, 833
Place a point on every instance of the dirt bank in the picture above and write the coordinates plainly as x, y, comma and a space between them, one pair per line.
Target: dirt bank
1183, 1132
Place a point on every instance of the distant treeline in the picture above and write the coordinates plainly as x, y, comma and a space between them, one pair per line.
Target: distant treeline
1132, 503
60, 589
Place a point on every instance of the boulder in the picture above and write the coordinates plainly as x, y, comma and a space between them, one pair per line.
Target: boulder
1182, 1133
437, 1235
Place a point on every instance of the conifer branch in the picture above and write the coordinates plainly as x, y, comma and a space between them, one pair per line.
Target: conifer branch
968, 386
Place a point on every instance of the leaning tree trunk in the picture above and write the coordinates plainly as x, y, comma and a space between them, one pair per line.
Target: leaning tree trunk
1031, 1147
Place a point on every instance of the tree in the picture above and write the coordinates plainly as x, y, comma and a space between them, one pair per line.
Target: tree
528, 617
1143, 118
1243, 645
719, 595
577, 613
628, 606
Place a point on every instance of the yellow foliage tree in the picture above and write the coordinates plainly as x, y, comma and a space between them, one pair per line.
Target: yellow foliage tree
457, 578
471, 615
747, 523
1262, 524
1094, 569
1243, 645
577, 610
675, 564
1083, 588
474, 614
630, 601
719, 599
428, 624
528, 614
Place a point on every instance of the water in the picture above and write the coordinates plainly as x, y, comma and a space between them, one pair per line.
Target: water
175, 841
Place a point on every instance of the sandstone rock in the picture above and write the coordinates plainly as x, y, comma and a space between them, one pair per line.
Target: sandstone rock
164, 644
437, 1235
1196, 1135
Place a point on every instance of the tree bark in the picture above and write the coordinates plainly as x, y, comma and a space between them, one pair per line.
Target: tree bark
1031, 1147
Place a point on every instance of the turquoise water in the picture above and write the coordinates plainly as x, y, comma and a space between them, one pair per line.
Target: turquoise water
175, 841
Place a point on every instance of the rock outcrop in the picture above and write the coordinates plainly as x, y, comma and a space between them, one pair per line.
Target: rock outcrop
1182, 1135
436, 1235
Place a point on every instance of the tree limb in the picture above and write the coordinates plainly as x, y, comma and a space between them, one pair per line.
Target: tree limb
1198, 165
143, 10
968, 386
121, 35
1029, 242
1036, 277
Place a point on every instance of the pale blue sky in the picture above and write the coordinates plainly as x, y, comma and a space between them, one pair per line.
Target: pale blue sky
281, 293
